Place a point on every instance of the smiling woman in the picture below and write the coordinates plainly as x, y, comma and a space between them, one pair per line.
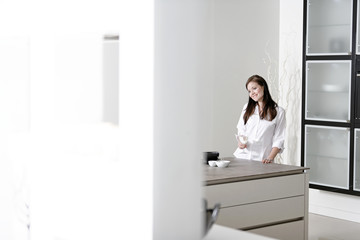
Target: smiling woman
263, 122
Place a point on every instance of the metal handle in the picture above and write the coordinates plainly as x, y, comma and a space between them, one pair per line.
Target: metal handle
214, 214
211, 216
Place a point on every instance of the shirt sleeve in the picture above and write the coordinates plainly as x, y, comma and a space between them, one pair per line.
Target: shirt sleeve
279, 134
241, 126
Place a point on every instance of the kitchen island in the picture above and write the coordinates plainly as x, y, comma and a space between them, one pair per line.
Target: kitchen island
267, 199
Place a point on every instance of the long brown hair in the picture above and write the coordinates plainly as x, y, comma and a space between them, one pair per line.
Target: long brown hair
269, 112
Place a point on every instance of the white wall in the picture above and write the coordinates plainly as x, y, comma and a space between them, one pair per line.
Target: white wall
246, 36
290, 77
81, 184
181, 82
14, 106
334, 205
110, 73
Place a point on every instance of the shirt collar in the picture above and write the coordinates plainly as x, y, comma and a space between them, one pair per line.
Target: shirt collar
256, 110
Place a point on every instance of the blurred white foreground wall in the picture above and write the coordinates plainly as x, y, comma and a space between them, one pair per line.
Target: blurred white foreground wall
61, 168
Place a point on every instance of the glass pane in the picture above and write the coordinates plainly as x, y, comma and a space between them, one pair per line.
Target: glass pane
328, 88
357, 160
326, 153
329, 27
358, 28
357, 98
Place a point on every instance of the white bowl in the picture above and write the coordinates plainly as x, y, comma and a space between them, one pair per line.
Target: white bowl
212, 163
222, 163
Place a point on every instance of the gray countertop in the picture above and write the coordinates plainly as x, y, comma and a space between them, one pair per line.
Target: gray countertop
242, 170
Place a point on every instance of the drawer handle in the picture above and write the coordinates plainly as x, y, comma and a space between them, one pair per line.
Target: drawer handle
211, 216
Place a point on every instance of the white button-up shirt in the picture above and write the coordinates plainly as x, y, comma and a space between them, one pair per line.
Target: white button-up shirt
262, 134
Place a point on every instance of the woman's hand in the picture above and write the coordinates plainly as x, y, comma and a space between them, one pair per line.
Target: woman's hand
267, 160
241, 145
272, 155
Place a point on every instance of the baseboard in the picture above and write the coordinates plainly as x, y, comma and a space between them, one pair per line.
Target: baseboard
335, 205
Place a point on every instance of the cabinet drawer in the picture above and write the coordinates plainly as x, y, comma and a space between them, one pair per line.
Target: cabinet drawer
237, 193
285, 231
262, 213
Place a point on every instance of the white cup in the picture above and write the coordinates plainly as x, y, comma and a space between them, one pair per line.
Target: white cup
243, 139
212, 163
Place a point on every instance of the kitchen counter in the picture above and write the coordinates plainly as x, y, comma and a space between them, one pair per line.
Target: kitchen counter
241, 170
266, 199
218, 232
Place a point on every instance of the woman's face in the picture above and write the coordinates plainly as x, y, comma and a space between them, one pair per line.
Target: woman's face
256, 92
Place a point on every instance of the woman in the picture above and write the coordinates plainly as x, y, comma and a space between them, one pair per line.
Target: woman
263, 122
